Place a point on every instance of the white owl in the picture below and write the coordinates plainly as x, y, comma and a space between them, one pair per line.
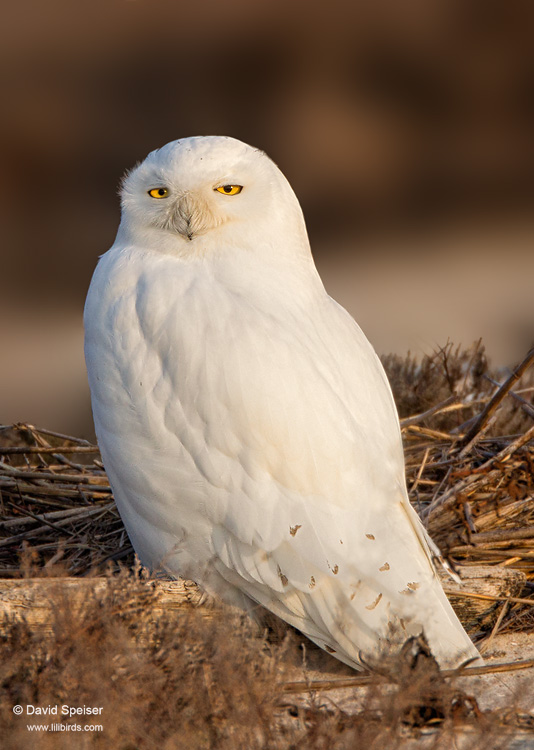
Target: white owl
245, 422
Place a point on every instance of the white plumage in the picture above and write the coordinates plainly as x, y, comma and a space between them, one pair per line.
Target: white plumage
246, 424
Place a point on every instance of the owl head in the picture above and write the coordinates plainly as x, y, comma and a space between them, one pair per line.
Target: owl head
210, 189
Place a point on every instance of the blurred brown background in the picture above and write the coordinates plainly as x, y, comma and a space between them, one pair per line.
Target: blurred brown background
406, 130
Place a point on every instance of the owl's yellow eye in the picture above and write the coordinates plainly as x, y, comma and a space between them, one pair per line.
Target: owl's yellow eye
229, 189
158, 193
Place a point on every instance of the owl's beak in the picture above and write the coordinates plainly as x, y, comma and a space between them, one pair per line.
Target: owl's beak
183, 216
192, 215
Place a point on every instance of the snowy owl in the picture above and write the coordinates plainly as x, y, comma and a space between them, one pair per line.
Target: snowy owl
245, 422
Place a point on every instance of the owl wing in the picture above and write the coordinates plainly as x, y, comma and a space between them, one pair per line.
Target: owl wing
269, 437
316, 524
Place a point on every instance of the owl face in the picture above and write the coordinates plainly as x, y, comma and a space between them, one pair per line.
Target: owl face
195, 185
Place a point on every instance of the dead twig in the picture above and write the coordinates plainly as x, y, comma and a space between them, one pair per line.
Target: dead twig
373, 679
476, 430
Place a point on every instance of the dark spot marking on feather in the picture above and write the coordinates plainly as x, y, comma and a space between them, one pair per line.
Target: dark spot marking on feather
414, 585
293, 529
282, 577
329, 649
371, 537
374, 604
312, 582
333, 569
385, 566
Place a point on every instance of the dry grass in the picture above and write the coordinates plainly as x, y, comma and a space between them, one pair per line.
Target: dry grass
183, 682
191, 682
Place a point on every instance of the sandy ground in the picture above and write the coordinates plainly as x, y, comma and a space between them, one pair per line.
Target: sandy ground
492, 692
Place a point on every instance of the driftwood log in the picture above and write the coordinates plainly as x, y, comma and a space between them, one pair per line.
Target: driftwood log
35, 600
477, 600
